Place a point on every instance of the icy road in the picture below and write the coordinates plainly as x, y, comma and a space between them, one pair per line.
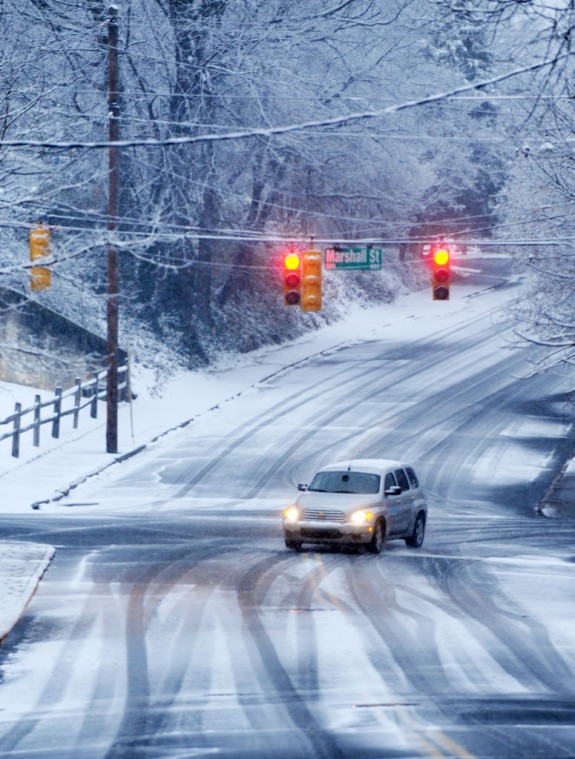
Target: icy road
174, 623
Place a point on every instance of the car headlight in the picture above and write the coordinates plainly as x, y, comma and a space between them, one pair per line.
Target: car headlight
291, 514
361, 517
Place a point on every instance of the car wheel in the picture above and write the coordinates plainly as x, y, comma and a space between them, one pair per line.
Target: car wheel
415, 540
295, 545
378, 537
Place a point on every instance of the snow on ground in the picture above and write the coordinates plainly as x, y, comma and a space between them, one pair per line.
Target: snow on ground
41, 474
163, 403
21, 568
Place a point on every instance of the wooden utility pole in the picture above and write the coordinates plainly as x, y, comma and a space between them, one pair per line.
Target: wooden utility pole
113, 214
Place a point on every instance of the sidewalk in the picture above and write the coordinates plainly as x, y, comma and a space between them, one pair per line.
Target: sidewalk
21, 568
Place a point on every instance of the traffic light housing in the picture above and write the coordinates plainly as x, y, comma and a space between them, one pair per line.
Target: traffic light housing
39, 239
441, 272
292, 275
311, 281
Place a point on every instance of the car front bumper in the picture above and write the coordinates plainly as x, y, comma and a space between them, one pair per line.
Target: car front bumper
328, 532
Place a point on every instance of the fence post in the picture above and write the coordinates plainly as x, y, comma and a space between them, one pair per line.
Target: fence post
94, 404
57, 412
123, 381
36, 431
16, 433
130, 397
77, 401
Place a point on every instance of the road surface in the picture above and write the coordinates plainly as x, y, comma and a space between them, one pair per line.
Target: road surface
174, 623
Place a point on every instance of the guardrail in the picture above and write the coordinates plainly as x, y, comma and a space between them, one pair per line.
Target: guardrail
82, 395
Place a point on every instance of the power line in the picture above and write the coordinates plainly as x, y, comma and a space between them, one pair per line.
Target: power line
123, 239
289, 128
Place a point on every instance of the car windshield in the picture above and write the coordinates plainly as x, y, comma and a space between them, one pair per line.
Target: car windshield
345, 482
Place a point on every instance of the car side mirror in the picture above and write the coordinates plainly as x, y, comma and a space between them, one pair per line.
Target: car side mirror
302, 486
393, 490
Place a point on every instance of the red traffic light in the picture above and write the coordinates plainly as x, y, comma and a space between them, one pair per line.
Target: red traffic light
292, 279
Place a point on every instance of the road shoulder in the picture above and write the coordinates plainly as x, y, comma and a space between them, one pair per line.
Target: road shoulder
22, 566
559, 501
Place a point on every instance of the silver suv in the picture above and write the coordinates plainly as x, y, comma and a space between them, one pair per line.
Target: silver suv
358, 502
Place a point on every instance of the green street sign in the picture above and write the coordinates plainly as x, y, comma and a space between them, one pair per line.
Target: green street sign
354, 258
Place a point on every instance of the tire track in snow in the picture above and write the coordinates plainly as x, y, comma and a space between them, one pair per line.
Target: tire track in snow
273, 675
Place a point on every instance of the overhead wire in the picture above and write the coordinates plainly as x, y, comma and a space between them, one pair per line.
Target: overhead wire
170, 230
124, 240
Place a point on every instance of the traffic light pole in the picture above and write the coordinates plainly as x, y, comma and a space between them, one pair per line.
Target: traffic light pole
113, 214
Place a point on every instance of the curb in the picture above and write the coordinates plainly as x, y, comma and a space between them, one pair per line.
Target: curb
552, 504
27, 591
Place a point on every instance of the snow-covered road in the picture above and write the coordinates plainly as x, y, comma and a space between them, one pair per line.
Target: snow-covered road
173, 622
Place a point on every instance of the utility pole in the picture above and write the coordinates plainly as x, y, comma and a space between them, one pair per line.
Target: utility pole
113, 214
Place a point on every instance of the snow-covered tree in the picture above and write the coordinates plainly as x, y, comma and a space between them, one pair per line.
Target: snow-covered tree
199, 219
535, 208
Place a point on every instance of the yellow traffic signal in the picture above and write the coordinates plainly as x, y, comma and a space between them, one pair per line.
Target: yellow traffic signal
39, 239
292, 279
311, 281
441, 270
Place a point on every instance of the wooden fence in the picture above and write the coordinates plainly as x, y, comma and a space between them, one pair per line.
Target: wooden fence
69, 403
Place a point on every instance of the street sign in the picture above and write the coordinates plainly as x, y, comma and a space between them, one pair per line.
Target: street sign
354, 258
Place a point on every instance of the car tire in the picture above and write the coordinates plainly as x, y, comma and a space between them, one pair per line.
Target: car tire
294, 545
378, 537
415, 540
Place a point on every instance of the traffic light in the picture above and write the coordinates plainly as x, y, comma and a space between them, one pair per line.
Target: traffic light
39, 239
292, 279
441, 270
311, 281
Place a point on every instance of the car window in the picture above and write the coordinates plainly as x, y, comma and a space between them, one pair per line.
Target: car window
412, 477
345, 482
402, 479
389, 481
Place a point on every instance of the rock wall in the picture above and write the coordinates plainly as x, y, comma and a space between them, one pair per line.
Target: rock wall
41, 348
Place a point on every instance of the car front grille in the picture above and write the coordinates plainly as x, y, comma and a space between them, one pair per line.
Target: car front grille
320, 534
325, 515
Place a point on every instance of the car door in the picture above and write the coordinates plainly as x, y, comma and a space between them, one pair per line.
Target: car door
405, 503
393, 504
